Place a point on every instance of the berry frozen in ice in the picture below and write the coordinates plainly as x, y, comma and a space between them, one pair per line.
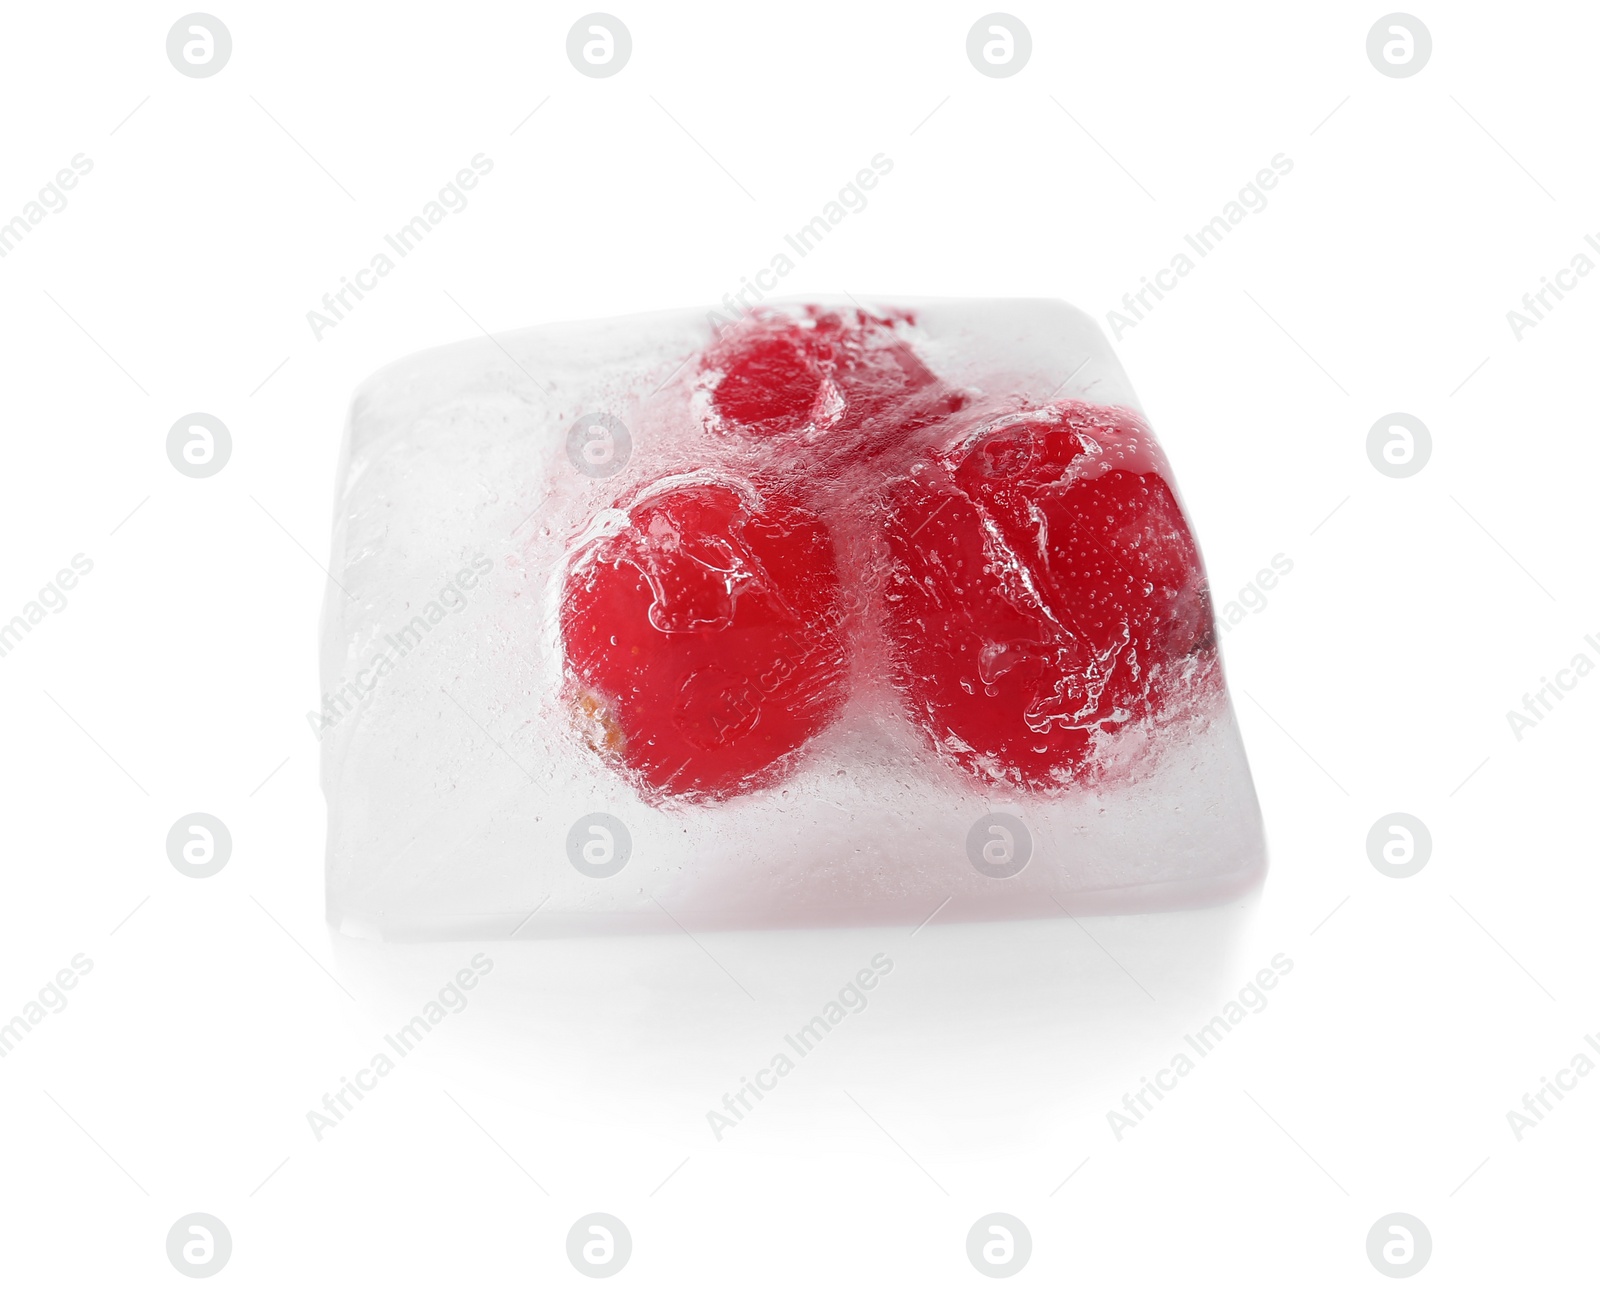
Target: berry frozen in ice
702, 635
830, 383
1044, 589
883, 492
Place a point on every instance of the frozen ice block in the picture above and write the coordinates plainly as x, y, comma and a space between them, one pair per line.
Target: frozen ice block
825, 615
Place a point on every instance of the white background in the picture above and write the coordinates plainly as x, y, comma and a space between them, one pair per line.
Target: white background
1376, 679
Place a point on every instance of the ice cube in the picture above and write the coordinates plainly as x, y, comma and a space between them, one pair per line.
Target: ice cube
827, 615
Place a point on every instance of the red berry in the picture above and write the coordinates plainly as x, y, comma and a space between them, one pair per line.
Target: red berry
825, 383
702, 635
1044, 588
772, 380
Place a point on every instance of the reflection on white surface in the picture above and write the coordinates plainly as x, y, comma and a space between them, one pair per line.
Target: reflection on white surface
990, 1033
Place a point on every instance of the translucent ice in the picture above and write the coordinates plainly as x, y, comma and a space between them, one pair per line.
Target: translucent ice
825, 616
